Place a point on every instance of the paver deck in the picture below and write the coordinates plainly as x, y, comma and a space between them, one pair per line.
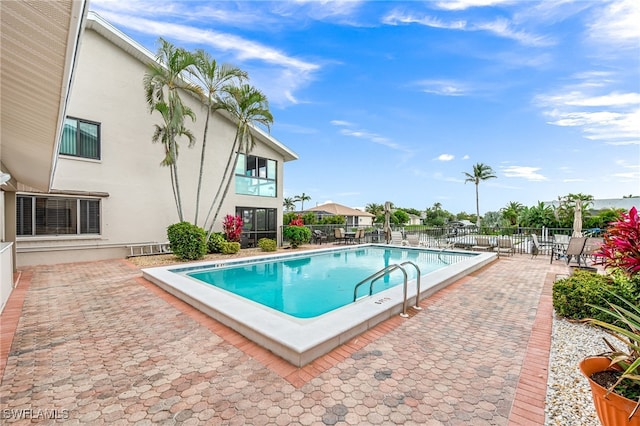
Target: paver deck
94, 343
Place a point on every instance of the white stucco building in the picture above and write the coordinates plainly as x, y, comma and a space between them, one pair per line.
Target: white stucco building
93, 184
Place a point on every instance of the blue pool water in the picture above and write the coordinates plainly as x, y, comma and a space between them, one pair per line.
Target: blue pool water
306, 286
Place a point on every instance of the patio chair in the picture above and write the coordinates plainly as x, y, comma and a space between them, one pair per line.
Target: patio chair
591, 246
505, 246
319, 236
536, 248
338, 234
359, 236
482, 244
573, 249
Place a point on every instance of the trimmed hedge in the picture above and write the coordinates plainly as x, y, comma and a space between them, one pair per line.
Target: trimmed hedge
216, 240
187, 240
572, 295
267, 244
230, 247
296, 235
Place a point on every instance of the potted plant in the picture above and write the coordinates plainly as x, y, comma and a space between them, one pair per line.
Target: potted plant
614, 377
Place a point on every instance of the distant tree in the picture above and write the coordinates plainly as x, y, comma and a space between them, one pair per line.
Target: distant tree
511, 212
493, 219
538, 216
465, 216
412, 211
334, 220
400, 217
289, 204
480, 173
374, 209
309, 218
288, 217
302, 198
631, 196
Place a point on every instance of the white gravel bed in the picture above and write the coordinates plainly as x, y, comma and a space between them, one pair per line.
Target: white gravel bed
569, 400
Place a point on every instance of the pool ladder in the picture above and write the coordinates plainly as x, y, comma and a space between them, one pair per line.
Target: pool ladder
386, 271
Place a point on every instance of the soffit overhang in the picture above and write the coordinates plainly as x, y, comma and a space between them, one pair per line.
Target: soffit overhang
39, 43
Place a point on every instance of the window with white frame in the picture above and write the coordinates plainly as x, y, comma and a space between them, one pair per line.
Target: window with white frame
37, 215
80, 138
256, 176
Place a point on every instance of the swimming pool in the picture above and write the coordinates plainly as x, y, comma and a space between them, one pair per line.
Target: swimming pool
312, 284
300, 340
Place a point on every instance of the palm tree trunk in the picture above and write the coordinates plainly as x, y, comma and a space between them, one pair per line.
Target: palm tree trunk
477, 207
222, 183
224, 194
204, 146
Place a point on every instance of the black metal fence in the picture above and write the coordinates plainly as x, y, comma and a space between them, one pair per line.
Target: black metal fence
457, 237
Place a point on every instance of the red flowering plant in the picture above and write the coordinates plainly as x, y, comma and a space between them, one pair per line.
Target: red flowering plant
232, 226
621, 248
296, 233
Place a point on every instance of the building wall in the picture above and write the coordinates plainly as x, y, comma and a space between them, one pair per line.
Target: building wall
139, 203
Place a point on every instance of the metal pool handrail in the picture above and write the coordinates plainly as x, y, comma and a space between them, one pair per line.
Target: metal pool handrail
386, 271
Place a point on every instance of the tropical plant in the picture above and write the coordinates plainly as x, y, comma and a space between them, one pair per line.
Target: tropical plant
289, 204
162, 82
215, 242
296, 233
212, 78
480, 173
249, 107
565, 211
302, 198
511, 212
537, 216
232, 227
621, 248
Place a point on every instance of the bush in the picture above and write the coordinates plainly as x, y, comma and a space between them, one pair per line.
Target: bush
230, 247
572, 295
267, 244
297, 235
187, 240
216, 240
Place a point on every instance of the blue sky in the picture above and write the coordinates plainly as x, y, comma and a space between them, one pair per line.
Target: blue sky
393, 101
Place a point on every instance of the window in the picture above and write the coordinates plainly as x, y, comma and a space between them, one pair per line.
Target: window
80, 138
256, 176
258, 223
56, 216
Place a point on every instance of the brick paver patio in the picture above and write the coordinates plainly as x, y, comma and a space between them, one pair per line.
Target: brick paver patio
94, 343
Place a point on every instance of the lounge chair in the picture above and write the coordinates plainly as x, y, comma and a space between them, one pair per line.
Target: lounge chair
396, 238
505, 246
413, 240
482, 244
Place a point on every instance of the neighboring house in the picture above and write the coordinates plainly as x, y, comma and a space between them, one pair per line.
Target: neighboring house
108, 189
414, 220
353, 217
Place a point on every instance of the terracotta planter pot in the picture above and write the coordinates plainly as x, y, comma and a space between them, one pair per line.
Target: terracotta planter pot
614, 409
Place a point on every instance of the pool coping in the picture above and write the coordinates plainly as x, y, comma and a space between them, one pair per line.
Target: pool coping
297, 340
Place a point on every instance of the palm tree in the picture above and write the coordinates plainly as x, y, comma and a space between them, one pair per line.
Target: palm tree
249, 107
374, 209
302, 198
480, 172
212, 78
512, 211
166, 75
289, 204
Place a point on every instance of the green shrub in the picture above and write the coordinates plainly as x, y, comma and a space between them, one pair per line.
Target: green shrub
216, 240
296, 235
267, 244
572, 295
230, 247
187, 240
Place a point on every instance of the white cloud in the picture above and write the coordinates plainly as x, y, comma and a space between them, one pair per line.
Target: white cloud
443, 87
466, 4
524, 172
617, 23
445, 157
